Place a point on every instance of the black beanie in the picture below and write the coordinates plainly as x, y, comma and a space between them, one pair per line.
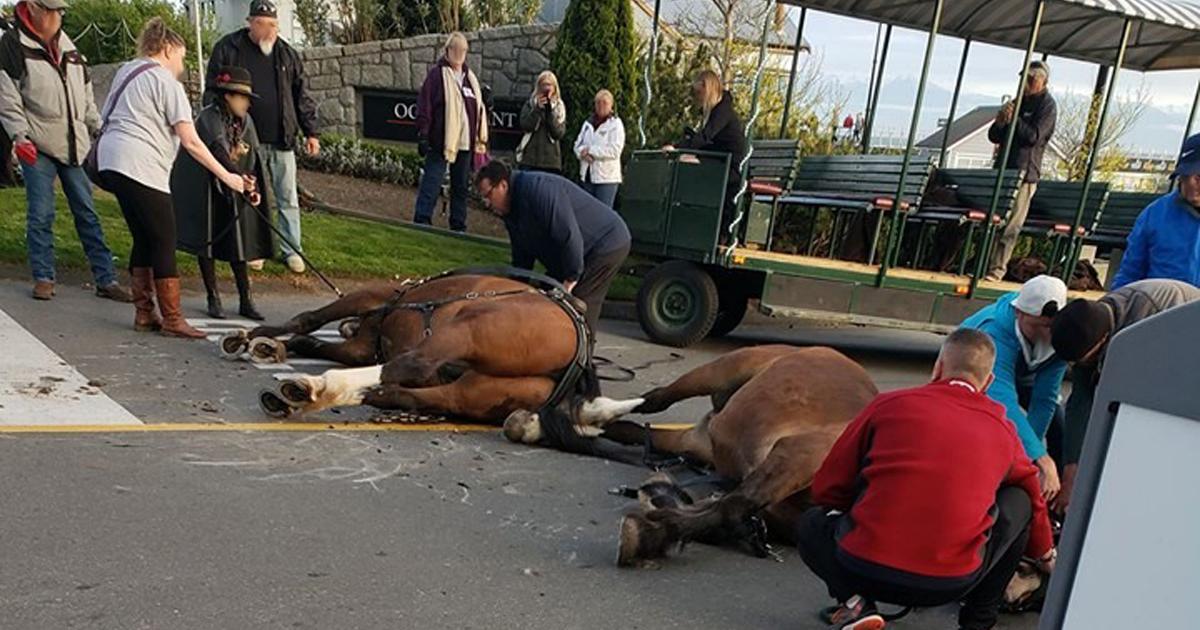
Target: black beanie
1078, 328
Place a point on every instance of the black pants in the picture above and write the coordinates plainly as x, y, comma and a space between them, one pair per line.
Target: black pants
598, 274
151, 220
981, 594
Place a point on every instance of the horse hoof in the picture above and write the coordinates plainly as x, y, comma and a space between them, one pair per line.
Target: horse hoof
267, 350
631, 552
273, 405
294, 393
233, 344
349, 327
523, 427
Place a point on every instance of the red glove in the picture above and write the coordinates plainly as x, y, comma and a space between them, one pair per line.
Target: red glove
27, 152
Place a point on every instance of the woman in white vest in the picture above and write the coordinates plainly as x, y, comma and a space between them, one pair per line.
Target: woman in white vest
599, 148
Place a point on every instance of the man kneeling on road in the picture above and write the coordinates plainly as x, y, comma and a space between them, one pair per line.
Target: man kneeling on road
550, 220
1080, 334
1028, 374
927, 498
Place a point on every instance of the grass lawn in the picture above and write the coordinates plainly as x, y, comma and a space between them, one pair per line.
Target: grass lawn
342, 247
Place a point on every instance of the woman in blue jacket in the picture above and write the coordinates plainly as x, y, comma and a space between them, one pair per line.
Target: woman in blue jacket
1028, 373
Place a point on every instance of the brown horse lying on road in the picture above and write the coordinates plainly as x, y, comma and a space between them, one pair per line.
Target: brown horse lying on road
476, 347
777, 410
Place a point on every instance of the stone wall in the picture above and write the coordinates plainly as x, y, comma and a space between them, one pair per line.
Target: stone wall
507, 58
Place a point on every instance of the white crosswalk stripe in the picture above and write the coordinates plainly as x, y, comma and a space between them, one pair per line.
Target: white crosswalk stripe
38, 387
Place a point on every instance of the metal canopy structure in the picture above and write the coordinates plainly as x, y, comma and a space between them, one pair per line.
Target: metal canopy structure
1166, 33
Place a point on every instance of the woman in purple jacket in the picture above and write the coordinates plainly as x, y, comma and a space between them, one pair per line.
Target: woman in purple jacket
452, 129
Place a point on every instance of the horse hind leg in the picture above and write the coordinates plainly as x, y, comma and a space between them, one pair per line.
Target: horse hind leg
473, 396
718, 378
353, 304
359, 351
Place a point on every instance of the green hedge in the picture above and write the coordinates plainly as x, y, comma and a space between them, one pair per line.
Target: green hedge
344, 155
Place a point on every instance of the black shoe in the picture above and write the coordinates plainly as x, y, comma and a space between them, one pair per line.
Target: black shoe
248, 311
215, 310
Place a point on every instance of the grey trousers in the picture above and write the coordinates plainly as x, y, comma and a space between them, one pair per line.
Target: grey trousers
998, 263
599, 271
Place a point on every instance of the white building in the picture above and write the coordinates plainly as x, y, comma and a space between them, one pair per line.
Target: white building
968, 145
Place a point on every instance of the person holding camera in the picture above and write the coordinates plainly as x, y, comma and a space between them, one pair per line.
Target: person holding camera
544, 120
452, 128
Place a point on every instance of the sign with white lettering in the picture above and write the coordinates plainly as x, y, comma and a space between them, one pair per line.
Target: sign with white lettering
392, 116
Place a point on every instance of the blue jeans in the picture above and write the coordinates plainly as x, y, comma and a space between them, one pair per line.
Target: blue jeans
282, 168
606, 193
431, 185
39, 225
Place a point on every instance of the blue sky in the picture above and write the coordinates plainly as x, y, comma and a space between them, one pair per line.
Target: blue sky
845, 47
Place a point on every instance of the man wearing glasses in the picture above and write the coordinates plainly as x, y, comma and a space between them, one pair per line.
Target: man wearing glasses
581, 241
1035, 125
47, 108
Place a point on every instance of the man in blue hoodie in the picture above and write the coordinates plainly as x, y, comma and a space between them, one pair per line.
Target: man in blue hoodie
1165, 242
1028, 373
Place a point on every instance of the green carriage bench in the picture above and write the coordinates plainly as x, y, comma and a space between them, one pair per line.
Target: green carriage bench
1120, 213
1052, 213
963, 196
771, 169
856, 184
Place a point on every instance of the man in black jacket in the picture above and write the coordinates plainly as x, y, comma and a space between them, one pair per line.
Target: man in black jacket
1035, 126
283, 111
551, 220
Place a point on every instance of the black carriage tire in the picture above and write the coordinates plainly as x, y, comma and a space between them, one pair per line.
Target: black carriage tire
677, 304
732, 303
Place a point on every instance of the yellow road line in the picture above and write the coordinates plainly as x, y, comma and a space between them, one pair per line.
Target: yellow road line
269, 427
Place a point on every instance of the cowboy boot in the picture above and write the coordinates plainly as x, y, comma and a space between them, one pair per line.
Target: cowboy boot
174, 324
145, 319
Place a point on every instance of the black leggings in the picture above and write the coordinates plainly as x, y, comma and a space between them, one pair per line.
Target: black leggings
151, 220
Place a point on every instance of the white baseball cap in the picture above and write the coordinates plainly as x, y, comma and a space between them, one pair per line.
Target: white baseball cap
1041, 296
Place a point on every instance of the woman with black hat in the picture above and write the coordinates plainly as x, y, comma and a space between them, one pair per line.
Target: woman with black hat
214, 222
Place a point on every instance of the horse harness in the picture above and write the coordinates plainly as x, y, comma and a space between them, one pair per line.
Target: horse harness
539, 285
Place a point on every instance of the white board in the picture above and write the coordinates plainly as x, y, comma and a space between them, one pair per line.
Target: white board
1140, 562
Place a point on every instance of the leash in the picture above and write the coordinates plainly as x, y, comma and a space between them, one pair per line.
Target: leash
628, 374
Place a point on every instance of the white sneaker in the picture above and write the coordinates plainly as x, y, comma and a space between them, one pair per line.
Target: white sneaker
295, 263
256, 265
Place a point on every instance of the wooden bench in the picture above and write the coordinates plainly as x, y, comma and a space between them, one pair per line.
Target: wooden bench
857, 184
1120, 213
1052, 213
963, 196
771, 170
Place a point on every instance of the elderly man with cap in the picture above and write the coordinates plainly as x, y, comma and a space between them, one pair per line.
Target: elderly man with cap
283, 111
1080, 334
1165, 241
1034, 127
1028, 373
47, 108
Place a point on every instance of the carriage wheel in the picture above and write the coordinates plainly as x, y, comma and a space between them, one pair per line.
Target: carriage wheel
732, 302
677, 303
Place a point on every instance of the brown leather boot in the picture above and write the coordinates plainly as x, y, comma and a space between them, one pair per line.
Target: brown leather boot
145, 319
173, 325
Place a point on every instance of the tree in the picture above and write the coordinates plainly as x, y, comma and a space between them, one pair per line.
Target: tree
105, 31
596, 48
1078, 117
493, 13
359, 21
313, 16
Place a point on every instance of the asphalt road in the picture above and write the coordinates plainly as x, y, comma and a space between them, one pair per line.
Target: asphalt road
355, 530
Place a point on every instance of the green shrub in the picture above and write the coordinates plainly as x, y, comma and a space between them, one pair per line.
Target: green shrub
343, 155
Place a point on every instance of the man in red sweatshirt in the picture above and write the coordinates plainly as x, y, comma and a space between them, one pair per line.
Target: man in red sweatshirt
927, 498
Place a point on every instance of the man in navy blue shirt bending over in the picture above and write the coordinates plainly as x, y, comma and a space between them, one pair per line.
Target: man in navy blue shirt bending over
581, 242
